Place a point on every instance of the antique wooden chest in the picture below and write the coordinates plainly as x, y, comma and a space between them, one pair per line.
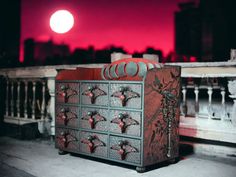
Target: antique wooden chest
132, 120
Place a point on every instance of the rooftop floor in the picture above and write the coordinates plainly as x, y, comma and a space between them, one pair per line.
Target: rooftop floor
39, 158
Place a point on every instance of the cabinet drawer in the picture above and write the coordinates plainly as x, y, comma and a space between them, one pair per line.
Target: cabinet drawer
67, 139
92, 118
67, 92
94, 93
93, 144
67, 115
125, 149
126, 95
129, 122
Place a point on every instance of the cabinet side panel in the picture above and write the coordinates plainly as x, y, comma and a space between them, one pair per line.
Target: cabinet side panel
161, 115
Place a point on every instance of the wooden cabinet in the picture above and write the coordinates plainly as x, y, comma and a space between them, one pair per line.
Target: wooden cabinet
133, 122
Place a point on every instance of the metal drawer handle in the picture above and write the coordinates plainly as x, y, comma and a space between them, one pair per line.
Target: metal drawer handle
125, 94
66, 92
63, 115
124, 120
93, 92
92, 142
93, 117
65, 138
123, 148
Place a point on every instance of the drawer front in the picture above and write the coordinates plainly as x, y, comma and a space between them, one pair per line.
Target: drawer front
67, 92
93, 144
94, 94
126, 95
67, 139
125, 122
67, 115
92, 118
125, 149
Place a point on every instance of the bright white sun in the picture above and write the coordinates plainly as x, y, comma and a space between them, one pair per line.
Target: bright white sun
61, 21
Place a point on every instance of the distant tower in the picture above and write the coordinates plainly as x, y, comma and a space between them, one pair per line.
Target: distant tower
9, 31
188, 30
206, 29
218, 29
29, 45
37, 52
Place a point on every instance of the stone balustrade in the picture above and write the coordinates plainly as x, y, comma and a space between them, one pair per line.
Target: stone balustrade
30, 95
209, 110
208, 107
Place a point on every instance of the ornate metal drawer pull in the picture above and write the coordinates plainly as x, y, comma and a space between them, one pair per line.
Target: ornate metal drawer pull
65, 138
63, 115
93, 117
93, 92
124, 120
123, 148
66, 92
124, 94
92, 142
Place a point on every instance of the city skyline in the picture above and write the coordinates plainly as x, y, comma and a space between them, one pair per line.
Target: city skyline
176, 30
133, 25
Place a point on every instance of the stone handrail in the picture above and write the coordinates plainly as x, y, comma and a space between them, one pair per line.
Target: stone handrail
209, 128
207, 69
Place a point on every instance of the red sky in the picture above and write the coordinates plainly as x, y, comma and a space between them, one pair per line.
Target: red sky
133, 24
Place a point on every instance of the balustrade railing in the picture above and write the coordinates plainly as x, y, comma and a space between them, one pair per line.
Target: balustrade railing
208, 96
30, 95
203, 104
25, 99
208, 106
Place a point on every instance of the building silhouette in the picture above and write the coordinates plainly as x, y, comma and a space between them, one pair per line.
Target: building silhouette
29, 51
218, 29
205, 30
37, 52
9, 32
188, 30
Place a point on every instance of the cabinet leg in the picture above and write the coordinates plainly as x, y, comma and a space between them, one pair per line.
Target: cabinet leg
140, 169
173, 161
61, 152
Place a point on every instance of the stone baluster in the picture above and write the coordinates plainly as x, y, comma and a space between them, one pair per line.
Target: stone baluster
34, 100
43, 105
51, 104
26, 100
12, 99
18, 99
232, 55
223, 106
184, 105
196, 91
7, 89
210, 91
232, 90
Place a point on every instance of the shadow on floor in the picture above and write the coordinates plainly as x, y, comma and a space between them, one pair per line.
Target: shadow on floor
22, 132
8, 171
185, 150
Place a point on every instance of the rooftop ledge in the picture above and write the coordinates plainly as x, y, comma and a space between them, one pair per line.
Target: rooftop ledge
195, 69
